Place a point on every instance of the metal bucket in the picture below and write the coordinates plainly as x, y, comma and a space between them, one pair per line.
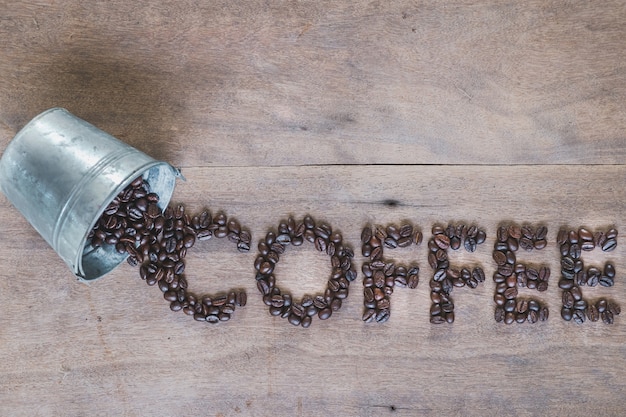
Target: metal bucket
61, 173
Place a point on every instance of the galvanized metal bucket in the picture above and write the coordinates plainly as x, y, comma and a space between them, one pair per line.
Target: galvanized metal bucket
61, 173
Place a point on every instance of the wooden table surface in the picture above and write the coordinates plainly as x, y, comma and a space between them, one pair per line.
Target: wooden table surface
361, 112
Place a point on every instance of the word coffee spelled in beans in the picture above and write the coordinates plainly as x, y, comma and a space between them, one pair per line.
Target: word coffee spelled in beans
157, 242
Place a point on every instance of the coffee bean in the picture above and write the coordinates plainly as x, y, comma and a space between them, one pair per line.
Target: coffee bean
566, 313
509, 318
478, 274
607, 317
503, 234
442, 241
567, 299
499, 257
592, 313
526, 243
578, 316
614, 308
606, 281
575, 251
499, 314
609, 245
470, 244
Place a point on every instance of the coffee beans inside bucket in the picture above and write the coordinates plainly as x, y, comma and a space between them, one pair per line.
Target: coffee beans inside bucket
158, 242
129, 219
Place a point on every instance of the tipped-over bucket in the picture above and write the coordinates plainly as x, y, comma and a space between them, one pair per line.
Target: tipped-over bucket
61, 173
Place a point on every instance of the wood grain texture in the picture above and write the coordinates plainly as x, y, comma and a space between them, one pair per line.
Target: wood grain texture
404, 82
363, 112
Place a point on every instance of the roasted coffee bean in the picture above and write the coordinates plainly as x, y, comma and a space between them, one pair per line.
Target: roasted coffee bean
566, 313
542, 232
325, 313
526, 244
470, 244
606, 281
510, 305
607, 317
614, 308
369, 315
499, 314
512, 244
442, 241
499, 257
527, 232
609, 245
509, 318
533, 305
567, 299
609, 270
592, 313
478, 274
578, 316
575, 251
503, 234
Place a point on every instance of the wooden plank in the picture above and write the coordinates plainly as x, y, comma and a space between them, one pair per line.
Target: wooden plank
114, 348
257, 84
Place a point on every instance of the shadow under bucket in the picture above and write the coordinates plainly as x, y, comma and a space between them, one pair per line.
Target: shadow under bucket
61, 173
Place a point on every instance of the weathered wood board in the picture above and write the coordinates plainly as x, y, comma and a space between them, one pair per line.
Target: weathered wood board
356, 113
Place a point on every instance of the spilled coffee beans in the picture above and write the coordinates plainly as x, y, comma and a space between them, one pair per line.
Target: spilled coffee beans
158, 242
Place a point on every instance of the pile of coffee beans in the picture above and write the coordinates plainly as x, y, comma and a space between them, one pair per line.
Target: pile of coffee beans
158, 241
574, 275
382, 275
325, 240
512, 274
445, 277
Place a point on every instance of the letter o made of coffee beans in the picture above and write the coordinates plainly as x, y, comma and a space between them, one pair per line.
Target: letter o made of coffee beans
322, 305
